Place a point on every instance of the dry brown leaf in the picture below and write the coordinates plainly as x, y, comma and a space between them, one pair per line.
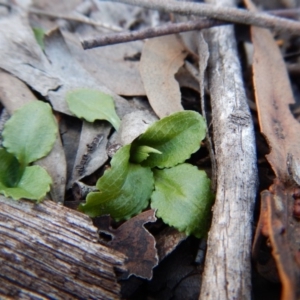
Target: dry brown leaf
135, 241
161, 59
279, 219
274, 96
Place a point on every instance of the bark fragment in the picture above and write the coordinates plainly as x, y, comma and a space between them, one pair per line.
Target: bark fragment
50, 251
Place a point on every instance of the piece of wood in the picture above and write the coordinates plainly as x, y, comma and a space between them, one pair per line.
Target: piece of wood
48, 251
227, 272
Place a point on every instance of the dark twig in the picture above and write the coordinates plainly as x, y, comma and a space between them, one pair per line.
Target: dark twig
128, 36
227, 14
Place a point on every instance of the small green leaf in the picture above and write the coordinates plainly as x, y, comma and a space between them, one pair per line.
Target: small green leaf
124, 190
39, 34
31, 132
34, 184
176, 136
183, 198
93, 105
10, 169
142, 152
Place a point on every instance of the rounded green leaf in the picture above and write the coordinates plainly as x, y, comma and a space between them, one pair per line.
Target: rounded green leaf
34, 185
176, 137
10, 170
31, 132
93, 105
183, 198
124, 190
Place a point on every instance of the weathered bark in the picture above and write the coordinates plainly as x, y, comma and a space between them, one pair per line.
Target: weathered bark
227, 273
49, 251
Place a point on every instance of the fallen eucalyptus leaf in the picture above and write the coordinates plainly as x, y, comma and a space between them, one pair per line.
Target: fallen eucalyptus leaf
183, 198
176, 137
22, 56
73, 76
135, 241
93, 105
161, 59
114, 66
124, 190
31, 132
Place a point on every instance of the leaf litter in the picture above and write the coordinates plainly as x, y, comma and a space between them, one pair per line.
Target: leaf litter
118, 71
278, 221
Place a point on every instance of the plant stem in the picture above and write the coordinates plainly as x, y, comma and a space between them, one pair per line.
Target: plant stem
227, 14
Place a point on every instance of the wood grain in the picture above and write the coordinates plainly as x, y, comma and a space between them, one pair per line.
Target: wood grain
227, 273
48, 251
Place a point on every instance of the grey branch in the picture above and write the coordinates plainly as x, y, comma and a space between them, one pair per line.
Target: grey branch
228, 14
227, 271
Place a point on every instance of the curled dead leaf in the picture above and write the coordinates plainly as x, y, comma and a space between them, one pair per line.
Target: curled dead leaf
135, 241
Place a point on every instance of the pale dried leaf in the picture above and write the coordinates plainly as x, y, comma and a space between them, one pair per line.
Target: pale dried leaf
114, 66
22, 56
73, 75
161, 59
91, 153
13, 92
134, 124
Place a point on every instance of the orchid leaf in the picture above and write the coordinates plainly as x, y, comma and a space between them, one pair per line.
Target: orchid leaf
124, 190
176, 137
93, 105
183, 198
10, 169
34, 184
142, 152
31, 132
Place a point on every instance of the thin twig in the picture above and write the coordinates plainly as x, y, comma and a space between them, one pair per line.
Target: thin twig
80, 19
227, 14
292, 13
128, 36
